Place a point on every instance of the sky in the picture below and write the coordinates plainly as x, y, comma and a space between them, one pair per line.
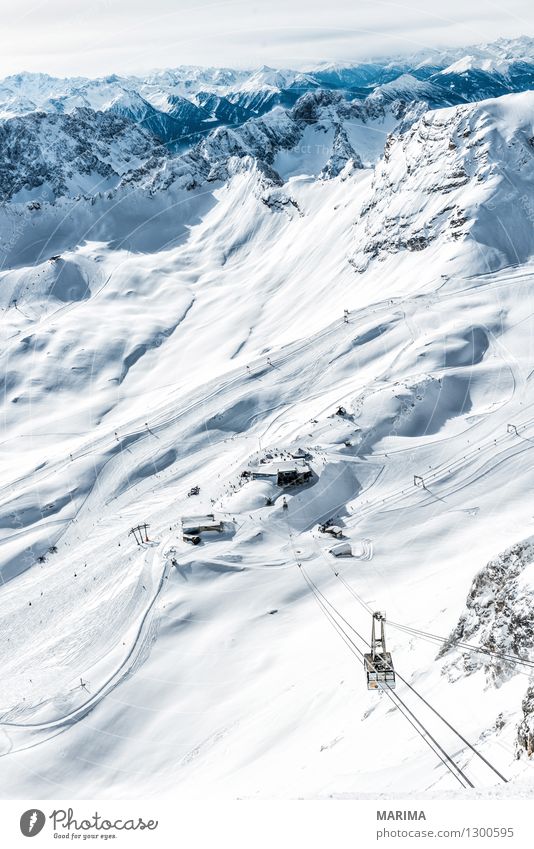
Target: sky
96, 37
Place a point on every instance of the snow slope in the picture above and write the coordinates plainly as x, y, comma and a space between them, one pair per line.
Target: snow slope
135, 368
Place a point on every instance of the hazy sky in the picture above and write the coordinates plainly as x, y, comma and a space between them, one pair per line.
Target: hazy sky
94, 37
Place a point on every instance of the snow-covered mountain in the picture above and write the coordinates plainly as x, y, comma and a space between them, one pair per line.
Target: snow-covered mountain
341, 285
182, 105
50, 180
462, 176
45, 156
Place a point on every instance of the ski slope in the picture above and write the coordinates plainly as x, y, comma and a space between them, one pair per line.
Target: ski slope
132, 375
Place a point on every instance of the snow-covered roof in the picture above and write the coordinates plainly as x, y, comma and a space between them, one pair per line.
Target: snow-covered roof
208, 519
341, 549
281, 466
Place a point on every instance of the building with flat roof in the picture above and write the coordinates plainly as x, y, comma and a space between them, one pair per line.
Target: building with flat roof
283, 473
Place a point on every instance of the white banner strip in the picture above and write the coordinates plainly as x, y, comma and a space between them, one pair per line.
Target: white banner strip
347, 824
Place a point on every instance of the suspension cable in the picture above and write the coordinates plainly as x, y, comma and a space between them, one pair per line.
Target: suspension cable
425, 701
395, 699
510, 658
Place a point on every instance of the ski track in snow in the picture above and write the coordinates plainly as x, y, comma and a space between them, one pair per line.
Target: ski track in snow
185, 366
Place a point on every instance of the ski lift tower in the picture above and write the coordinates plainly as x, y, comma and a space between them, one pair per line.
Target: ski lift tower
378, 662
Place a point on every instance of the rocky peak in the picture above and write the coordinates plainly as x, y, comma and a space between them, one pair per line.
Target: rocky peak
48, 155
497, 617
444, 167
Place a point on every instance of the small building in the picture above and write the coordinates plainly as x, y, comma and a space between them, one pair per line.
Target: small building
194, 539
283, 473
333, 530
301, 454
341, 549
193, 526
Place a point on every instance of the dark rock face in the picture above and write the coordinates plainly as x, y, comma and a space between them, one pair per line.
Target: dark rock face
342, 154
525, 730
85, 152
54, 152
433, 182
497, 617
82, 153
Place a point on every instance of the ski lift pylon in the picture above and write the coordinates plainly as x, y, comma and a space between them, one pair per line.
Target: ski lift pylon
378, 662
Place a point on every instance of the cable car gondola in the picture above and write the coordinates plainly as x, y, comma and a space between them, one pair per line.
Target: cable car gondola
378, 663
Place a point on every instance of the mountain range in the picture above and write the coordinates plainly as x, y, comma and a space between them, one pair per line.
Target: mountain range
210, 273
180, 106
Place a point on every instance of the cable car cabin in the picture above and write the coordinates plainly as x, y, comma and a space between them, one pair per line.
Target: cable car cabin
378, 663
379, 671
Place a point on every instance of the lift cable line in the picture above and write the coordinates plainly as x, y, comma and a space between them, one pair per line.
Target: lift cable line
434, 710
340, 577
396, 700
353, 592
416, 692
509, 658
422, 698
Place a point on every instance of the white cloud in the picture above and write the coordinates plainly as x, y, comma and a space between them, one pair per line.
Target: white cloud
105, 36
